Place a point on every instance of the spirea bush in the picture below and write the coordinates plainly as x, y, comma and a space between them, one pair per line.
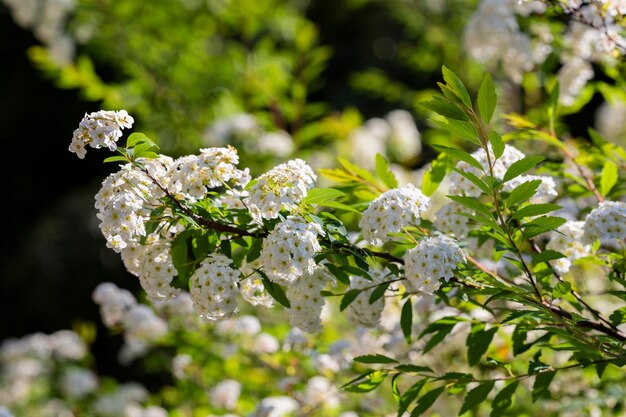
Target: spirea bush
536, 289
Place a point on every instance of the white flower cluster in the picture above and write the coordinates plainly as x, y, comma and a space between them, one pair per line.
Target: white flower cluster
306, 301
606, 222
391, 212
289, 249
191, 176
152, 263
28, 363
116, 403
432, 259
47, 20
567, 239
225, 394
125, 200
100, 129
394, 135
450, 221
119, 308
493, 35
281, 188
214, 288
253, 291
360, 311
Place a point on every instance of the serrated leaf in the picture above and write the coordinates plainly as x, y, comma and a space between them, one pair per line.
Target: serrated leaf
136, 138
497, 144
476, 396
561, 288
478, 342
541, 385
546, 255
276, 291
366, 382
487, 98
339, 206
384, 172
456, 85
406, 320
463, 129
541, 225
445, 108
409, 396
426, 401
532, 210
414, 368
377, 358
608, 178
472, 203
378, 292
503, 399
461, 155
484, 187
517, 168
348, 298
321, 195
523, 192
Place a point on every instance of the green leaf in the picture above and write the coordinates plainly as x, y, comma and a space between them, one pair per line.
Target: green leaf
546, 255
321, 195
366, 382
460, 154
444, 108
523, 192
354, 169
377, 358
276, 291
487, 98
476, 396
384, 172
561, 288
339, 206
414, 368
348, 298
117, 158
136, 138
409, 396
478, 342
433, 176
534, 210
608, 177
472, 203
378, 292
517, 168
462, 128
542, 382
541, 225
497, 144
484, 187
553, 105
426, 401
504, 399
456, 85
406, 320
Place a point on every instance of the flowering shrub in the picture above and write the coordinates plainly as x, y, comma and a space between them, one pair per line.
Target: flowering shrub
516, 261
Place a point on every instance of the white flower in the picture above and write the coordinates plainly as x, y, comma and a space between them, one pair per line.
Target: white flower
432, 259
214, 288
225, 394
605, 222
114, 302
289, 249
360, 311
321, 391
450, 221
100, 129
191, 176
78, 382
253, 291
306, 301
281, 188
140, 323
567, 239
392, 211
